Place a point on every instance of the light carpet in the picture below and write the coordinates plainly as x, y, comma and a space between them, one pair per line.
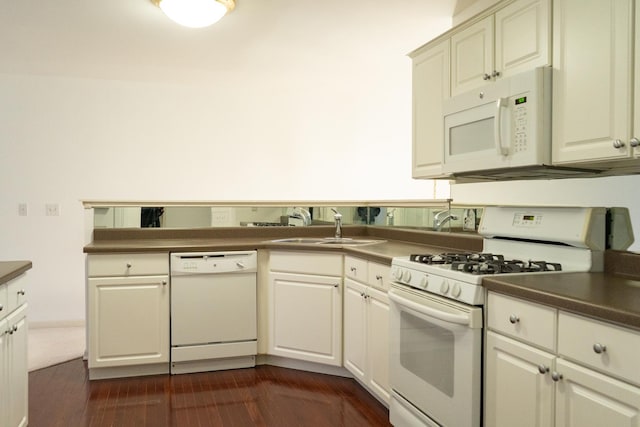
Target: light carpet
50, 346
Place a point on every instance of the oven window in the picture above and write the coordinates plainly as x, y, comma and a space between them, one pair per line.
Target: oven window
427, 351
471, 137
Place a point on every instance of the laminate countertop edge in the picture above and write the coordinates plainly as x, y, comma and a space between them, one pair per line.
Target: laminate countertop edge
11, 269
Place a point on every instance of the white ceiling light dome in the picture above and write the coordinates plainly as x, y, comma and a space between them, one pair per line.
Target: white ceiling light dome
195, 13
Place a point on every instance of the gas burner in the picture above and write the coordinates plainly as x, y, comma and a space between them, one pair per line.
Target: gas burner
451, 257
499, 266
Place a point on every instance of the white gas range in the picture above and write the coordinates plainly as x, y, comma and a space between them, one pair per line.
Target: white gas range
436, 305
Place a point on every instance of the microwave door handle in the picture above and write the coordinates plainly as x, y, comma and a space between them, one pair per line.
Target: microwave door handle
497, 127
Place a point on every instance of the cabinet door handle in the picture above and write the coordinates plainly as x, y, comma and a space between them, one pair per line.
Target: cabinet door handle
543, 369
353, 269
618, 143
495, 74
337, 285
22, 292
599, 348
556, 376
634, 142
164, 283
486, 77
378, 277
128, 265
514, 319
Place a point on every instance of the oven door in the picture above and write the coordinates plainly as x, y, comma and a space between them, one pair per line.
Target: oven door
435, 359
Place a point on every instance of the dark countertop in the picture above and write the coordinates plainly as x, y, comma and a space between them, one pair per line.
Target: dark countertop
606, 296
12, 269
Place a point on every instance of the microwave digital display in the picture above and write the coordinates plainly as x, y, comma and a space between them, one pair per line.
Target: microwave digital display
521, 100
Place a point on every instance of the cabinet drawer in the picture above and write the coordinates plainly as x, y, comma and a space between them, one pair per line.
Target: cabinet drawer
355, 268
605, 347
127, 264
16, 293
379, 275
323, 264
4, 306
527, 321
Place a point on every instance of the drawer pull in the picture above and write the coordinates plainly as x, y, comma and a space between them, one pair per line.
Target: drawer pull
543, 369
514, 319
164, 283
599, 348
378, 277
128, 265
556, 376
22, 292
353, 269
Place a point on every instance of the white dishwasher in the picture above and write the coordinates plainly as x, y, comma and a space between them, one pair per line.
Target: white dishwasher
213, 311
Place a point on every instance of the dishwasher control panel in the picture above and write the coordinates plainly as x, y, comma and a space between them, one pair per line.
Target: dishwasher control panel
214, 262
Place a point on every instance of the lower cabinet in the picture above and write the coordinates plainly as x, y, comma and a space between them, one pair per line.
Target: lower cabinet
128, 316
529, 386
366, 326
305, 306
14, 377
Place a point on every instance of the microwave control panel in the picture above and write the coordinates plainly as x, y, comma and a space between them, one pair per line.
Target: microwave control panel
520, 124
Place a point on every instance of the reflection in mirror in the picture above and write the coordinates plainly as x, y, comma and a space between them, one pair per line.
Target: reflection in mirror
439, 218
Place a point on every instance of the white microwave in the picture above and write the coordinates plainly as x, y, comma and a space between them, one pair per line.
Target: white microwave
504, 124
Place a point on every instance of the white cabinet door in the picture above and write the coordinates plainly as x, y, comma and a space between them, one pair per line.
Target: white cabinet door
306, 317
588, 399
4, 373
472, 56
355, 328
378, 343
592, 80
17, 370
516, 392
129, 321
523, 36
430, 88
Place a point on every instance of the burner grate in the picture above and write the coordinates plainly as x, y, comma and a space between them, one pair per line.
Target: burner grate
485, 263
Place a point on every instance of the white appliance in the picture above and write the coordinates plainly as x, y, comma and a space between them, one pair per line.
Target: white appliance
503, 130
213, 311
437, 299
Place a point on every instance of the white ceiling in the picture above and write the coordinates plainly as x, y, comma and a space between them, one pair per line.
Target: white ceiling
133, 40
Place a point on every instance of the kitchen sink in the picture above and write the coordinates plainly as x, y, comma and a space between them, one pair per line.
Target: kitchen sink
327, 241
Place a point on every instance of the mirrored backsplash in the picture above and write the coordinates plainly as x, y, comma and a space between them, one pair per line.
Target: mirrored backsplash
442, 217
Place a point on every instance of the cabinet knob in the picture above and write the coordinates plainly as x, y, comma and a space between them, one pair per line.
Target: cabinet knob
353, 269
128, 265
599, 348
164, 283
378, 277
495, 73
514, 319
1, 307
362, 294
337, 285
556, 376
486, 77
634, 142
618, 143
543, 369
22, 292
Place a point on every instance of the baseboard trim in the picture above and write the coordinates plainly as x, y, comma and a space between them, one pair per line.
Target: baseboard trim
56, 324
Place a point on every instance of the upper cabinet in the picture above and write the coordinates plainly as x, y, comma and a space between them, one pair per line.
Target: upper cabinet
593, 81
514, 39
430, 88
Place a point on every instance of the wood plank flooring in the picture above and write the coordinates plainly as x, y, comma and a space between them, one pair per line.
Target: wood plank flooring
62, 395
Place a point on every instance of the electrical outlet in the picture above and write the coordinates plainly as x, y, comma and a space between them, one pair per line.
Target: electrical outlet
23, 209
52, 209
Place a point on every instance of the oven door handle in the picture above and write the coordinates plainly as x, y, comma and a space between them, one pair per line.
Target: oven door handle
460, 319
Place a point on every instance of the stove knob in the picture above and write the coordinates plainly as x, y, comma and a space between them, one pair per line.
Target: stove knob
396, 273
444, 288
406, 276
456, 291
424, 282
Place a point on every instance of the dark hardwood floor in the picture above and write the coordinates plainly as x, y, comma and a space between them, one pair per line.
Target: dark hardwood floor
62, 395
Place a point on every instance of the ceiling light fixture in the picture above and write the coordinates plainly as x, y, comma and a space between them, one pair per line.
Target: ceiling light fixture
195, 13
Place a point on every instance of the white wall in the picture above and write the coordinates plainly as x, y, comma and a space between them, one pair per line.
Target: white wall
297, 111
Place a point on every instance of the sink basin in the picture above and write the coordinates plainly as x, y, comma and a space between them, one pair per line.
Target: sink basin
327, 241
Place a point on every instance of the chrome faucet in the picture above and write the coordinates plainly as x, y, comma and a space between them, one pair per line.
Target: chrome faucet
303, 214
337, 217
441, 218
